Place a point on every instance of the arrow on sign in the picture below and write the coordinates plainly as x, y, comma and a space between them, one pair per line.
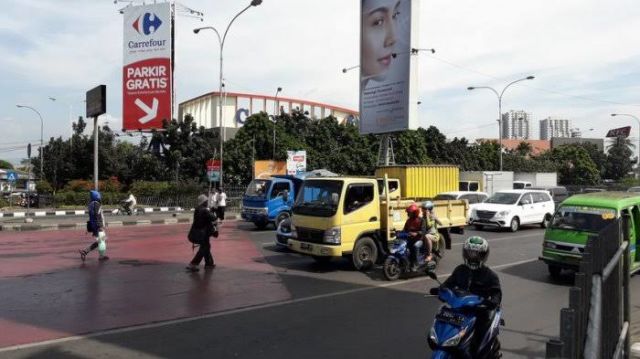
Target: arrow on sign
151, 112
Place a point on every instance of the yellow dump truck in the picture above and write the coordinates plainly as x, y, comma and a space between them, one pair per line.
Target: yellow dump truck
354, 216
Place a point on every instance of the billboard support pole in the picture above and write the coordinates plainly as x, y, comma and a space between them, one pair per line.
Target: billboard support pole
95, 153
386, 156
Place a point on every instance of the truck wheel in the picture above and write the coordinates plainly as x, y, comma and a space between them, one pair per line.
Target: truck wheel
261, 225
554, 271
391, 268
546, 221
365, 253
514, 225
281, 217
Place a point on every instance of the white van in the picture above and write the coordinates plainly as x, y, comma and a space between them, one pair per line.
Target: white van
513, 208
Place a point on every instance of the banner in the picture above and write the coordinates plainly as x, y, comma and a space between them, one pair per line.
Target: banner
213, 170
147, 74
266, 168
619, 132
296, 162
388, 70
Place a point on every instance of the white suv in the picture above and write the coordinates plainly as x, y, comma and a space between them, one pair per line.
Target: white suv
512, 208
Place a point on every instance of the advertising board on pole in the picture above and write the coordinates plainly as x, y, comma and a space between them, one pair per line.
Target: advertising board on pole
388, 70
296, 162
266, 168
619, 132
213, 170
147, 73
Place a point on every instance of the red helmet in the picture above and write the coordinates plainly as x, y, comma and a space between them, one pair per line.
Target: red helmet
413, 208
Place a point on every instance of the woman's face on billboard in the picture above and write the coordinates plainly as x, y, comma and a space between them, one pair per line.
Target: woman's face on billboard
378, 35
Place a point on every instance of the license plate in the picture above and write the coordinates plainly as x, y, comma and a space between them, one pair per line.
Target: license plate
306, 247
450, 318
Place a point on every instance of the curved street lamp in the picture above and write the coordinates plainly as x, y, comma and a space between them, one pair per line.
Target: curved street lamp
638, 120
221, 42
275, 106
499, 95
41, 136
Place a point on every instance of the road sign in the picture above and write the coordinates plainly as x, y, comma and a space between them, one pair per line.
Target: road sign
214, 176
213, 170
12, 176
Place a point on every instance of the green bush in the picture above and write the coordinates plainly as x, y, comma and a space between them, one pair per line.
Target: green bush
79, 186
43, 186
70, 198
3, 203
147, 188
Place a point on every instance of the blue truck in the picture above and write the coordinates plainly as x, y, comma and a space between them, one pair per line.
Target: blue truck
269, 200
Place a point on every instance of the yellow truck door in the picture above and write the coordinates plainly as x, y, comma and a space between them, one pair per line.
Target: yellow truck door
361, 212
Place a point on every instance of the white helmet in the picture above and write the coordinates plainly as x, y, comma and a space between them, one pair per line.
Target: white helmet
475, 252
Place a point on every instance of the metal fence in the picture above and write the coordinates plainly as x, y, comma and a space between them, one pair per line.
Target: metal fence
187, 201
596, 324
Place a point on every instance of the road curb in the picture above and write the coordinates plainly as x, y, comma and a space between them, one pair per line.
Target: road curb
82, 212
63, 226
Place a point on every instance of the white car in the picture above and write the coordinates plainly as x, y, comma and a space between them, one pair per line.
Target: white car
512, 208
473, 198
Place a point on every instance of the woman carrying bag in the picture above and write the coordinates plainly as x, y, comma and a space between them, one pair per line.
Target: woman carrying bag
203, 227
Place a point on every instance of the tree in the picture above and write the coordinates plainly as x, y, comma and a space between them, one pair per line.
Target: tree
574, 165
524, 149
6, 165
619, 162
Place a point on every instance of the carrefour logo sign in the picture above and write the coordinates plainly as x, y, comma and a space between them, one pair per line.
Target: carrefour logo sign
147, 23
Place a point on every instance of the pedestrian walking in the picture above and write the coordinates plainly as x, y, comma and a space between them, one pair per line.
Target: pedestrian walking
221, 200
96, 226
203, 227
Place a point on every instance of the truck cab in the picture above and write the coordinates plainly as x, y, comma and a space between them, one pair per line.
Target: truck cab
269, 200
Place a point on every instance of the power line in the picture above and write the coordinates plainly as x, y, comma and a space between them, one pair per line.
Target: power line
532, 87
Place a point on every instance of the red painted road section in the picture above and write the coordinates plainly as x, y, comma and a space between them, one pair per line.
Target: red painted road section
46, 292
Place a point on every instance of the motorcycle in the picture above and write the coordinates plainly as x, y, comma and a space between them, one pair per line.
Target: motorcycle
125, 209
398, 261
453, 330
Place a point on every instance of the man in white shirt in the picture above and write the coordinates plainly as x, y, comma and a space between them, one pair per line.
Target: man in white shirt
130, 204
221, 201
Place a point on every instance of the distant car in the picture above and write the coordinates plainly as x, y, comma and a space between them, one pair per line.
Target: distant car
512, 208
558, 193
592, 190
634, 189
472, 197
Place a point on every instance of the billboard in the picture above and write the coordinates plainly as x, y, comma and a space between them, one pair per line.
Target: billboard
619, 132
388, 71
296, 162
266, 168
147, 73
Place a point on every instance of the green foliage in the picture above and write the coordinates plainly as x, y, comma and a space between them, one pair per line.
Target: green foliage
6, 165
3, 203
574, 166
43, 187
146, 188
79, 186
619, 162
70, 198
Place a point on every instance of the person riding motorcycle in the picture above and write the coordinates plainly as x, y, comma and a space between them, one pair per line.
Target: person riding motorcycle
129, 204
475, 277
416, 230
431, 224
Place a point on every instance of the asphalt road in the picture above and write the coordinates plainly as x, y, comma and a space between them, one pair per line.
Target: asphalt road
333, 311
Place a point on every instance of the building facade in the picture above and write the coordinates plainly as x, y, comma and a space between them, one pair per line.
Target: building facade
236, 107
516, 125
554, 127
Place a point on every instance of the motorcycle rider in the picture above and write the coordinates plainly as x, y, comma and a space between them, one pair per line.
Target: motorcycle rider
129, 204
416, 230
475, 277
431, 223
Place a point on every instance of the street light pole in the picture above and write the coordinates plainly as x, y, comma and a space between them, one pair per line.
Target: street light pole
637, 120
221, 42
41, 136
275, 106
499, 95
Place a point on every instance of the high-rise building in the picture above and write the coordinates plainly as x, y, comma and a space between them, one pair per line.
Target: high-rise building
515, 125
554, 127
576, 133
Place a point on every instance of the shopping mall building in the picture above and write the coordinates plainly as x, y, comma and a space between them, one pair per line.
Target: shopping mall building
236, 107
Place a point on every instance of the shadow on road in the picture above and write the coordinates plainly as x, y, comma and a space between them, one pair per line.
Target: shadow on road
537, 271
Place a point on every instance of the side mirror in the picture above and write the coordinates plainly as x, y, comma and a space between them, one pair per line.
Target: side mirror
434, 291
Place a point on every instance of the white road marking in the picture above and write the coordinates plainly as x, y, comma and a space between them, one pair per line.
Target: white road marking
234, 311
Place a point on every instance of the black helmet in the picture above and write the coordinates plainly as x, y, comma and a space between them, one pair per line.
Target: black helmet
475, 252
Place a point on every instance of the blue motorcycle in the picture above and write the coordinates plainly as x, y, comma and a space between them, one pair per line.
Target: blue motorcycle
453, 330
398, 261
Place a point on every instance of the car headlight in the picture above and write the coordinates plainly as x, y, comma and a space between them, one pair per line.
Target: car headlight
332, 235
473, 212
433, 336
455, 340
502, 214
264, 210
547, 244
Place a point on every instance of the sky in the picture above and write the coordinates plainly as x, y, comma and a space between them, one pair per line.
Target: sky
585, 55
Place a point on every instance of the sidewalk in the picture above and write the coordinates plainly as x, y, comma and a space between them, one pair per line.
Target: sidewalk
45, 212
80, 222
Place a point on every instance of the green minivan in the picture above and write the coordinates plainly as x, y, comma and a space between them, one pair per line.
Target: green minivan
586, 214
